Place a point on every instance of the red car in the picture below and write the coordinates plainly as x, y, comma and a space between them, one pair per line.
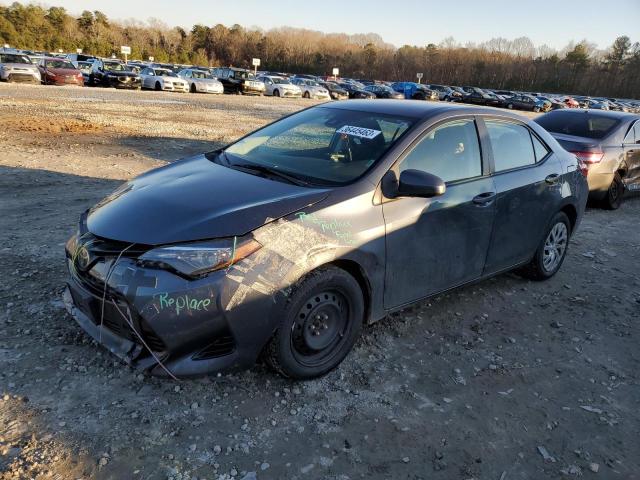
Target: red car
59, 71
570, 102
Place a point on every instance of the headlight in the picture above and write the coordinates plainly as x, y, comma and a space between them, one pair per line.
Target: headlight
72, 244
199, 258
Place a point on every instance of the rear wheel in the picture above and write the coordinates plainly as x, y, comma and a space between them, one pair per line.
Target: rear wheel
320, 323
613, 199
552, 250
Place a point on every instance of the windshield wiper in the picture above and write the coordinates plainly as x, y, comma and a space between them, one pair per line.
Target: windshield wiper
252, 167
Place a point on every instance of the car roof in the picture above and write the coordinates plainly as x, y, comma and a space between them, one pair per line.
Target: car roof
600, 113
418, 108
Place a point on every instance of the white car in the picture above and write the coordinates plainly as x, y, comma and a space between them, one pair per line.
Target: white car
162, 79
311, 89
18, 68
201, 81
279, 86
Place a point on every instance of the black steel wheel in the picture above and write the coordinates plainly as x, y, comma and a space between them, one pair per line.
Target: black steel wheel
615, 193
320, 324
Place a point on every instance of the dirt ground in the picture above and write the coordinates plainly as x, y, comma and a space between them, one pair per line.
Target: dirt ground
507, 379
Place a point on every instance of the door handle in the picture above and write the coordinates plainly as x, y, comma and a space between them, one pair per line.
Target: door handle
484, 199
552, 179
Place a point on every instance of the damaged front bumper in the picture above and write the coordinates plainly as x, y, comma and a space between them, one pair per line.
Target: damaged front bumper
149, 316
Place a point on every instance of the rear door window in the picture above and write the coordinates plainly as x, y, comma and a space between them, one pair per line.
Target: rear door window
539, 148
511, 144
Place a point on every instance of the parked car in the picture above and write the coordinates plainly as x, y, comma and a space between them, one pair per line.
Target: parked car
79, 57
487, 99
384, 91
595, 104
18, 68
527, 102
608, 146
357, 90
570, 102
238, 81
336, 92
113, 73
414, 91
163, 79
279, 86
444, 92
200, 81
311, 88
555, 104
59, 71
290, 240
85, 69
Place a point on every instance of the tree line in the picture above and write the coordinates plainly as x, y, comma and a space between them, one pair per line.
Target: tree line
515, 64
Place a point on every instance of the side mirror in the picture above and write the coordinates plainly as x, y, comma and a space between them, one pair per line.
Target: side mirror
416, 183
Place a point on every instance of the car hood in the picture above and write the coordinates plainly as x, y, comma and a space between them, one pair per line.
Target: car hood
195, 199
26, 66
63, 71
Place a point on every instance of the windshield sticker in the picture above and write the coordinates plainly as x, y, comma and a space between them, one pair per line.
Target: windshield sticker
359, 132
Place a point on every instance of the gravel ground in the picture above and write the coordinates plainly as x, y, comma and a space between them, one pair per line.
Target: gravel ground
507, 379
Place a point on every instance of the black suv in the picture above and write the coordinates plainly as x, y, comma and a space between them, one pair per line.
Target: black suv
238, 81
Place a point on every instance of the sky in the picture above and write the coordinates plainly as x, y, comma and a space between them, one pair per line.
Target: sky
413, 22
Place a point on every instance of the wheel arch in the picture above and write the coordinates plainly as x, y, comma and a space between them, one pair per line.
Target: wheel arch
354, 269
572, 212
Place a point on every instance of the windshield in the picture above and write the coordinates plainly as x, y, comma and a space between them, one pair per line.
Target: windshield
244, 75
578, 124
198, 74
165, 73
321, 145
114, 67
59, 64
280, 81
11, 58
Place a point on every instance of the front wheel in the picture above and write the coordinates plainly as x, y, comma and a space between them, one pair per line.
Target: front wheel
613, 199
321, 321
510, 106
193, 88
306, 95
276, 93
552, 250
536, 109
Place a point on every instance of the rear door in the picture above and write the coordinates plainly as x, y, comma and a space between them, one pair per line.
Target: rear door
527, 177
433, 244
632, 157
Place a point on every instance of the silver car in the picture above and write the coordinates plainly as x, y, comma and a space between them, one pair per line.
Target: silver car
311, 88
200, 81
279, 86
18, 68
162, 79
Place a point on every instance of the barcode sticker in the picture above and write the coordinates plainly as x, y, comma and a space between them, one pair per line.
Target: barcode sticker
359, 132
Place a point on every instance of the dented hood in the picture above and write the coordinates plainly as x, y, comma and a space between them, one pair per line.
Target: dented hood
195, 199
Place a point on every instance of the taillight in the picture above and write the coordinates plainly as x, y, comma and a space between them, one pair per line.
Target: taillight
586, 159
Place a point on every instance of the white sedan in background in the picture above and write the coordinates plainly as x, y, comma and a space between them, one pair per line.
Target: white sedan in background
201, 81
162, 79
279, 86
311, 88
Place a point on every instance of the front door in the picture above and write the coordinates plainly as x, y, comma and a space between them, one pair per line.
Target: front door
433, 244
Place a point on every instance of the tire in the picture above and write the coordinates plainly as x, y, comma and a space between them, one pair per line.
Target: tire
615, 193
306, 95
158, 87
549, 258
193, 88
510, 106
536, 109
419, 97
276, 93
92, 81
321, 322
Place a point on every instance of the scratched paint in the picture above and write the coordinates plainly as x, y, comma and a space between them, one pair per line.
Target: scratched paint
341, 229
